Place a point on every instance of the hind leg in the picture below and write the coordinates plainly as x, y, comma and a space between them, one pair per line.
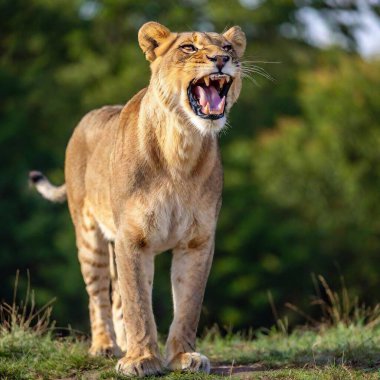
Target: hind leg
95, 267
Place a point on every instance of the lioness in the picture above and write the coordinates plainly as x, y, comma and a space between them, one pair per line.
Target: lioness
147, 177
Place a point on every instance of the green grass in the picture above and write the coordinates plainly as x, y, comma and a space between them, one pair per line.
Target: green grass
340, 352
344, 344
27, 355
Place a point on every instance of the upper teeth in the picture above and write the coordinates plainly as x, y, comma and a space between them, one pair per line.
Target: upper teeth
221, 78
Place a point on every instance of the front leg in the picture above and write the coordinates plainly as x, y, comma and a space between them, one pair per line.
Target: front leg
190, 270
135, 265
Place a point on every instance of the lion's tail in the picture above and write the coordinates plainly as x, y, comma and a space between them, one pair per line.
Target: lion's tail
46, 189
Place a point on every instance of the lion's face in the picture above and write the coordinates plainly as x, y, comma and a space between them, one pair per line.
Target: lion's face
196, 74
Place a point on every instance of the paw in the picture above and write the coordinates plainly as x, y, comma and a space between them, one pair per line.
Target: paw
190, 361
107, 350
143, 366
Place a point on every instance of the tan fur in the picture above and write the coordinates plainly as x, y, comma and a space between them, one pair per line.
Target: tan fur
148, 177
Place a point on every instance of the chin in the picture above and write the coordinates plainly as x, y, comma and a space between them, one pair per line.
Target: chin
206, 127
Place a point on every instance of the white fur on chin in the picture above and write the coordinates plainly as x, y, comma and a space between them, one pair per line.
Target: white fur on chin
205, 126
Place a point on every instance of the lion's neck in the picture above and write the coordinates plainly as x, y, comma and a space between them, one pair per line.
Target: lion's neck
181, 146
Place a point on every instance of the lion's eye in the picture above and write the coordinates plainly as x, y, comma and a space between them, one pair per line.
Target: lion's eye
227, 47
188, 48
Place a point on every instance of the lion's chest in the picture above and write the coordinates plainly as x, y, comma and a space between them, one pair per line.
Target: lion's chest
168, 220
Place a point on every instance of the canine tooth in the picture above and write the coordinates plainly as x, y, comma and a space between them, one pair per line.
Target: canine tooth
221, 82
221, 105
227, 78
207, 108
207, 80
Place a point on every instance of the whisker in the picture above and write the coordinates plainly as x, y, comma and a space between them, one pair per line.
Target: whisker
254, 81
273, 62
254, 66
257, 70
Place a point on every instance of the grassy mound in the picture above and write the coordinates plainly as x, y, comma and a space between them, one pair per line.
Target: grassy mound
340, 352
344, 345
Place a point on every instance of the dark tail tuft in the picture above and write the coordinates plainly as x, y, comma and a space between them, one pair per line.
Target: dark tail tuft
46, 189
35, 176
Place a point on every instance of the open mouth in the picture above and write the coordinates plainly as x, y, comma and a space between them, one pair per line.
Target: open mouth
207, 96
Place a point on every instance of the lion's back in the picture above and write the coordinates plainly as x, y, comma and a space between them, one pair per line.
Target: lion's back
98, 122
91, 131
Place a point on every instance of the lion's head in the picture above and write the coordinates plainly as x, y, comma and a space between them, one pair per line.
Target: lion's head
195, 74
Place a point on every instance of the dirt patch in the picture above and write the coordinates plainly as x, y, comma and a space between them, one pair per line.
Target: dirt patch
241, 370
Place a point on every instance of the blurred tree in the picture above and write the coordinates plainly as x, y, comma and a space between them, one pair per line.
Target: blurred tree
325, 166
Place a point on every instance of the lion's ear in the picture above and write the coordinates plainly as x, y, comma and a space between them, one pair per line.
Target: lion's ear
237, 38
151, 35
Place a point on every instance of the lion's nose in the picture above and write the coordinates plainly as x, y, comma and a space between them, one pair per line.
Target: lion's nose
220, 60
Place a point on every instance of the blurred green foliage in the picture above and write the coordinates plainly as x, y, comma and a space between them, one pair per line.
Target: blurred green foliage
301, 159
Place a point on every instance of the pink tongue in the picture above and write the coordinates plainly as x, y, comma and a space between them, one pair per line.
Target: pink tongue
210, 95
